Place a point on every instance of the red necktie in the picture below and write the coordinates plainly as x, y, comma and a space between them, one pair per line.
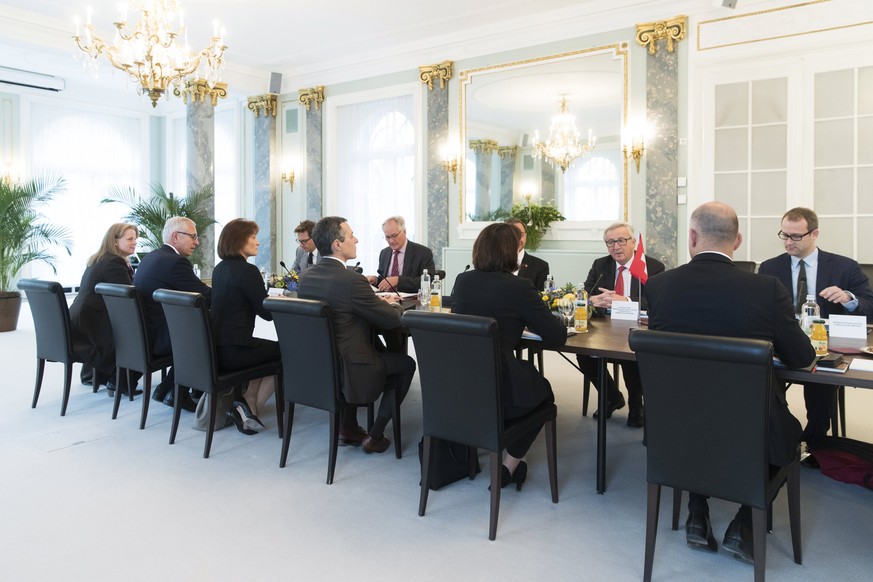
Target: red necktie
619, 281
395, 267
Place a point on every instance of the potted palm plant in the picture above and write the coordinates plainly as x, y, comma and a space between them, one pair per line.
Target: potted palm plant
25, 237
536, 219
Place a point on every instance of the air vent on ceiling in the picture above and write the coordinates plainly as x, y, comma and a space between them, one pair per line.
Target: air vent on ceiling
30, 79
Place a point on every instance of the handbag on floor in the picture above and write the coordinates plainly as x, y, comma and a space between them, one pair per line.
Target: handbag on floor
845, 460
449, 462
223, 403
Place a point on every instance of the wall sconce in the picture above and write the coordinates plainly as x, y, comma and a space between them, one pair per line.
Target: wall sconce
289, 177
8, 173
450, 161
634, 140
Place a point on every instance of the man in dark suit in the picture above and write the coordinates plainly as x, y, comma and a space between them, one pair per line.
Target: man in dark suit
402, 262
839, 287
711, 296
368, 374
306, 255
169, 268
612, 277
529, 266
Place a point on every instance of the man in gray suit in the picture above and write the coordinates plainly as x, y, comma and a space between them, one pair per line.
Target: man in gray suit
307, 255
402, 261
356, 309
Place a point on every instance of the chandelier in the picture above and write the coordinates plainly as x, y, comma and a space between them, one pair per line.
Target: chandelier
149, 51
564, 145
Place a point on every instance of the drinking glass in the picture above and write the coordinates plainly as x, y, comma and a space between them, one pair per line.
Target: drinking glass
567, 307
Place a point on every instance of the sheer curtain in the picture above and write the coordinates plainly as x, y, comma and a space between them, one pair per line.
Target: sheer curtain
592, 188
375, 170
93, 151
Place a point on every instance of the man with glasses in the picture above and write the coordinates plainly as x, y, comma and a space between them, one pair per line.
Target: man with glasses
839, 286
307, 254
169, 268
612, 277
402, 261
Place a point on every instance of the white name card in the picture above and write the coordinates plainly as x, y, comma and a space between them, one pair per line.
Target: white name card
629, 310
852, 326
275, 292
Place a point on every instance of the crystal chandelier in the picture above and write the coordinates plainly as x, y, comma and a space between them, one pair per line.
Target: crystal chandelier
563, 146
149, 51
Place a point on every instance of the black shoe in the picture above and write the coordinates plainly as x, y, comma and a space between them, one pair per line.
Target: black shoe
184, 401
518, 477
636, 417
612, 406
250, 420
698, 532
110, 390
234, 416
160, 392
738, 541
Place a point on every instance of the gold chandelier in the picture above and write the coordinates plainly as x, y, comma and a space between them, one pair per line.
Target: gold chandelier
564, 145
149, 52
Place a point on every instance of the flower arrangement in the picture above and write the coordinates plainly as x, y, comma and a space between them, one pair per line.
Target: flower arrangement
551, 298
288, 282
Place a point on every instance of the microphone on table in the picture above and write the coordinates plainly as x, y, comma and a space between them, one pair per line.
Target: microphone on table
597, 282
452, 294
282, 264
393, 288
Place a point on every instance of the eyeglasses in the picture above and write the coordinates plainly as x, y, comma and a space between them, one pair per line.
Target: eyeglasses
392, 236
303, 241
794, 237
617, 241
193, 236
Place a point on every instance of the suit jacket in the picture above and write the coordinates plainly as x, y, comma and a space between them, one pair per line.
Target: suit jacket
164, 268
515, 304
355, 310
711, 296
604, 269
301, 260
238, 294
832, 270
88, 315
418, 258
535, 269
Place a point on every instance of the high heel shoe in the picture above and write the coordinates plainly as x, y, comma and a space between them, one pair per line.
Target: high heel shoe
518, 477
249, 419
234, 416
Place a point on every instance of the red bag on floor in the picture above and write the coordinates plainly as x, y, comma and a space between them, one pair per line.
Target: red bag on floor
846, 460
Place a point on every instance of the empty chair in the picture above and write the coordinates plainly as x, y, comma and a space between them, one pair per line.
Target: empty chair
459, 366
194, 358
707, 422
54, 340
133, 345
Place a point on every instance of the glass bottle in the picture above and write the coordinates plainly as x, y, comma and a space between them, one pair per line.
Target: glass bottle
580, 315
436, 294
809, 313
549, 285
819, 337
424, 287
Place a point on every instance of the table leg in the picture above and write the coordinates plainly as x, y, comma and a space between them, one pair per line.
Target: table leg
601, 424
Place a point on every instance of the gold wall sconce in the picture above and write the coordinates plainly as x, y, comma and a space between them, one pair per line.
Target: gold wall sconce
634, 142
289, 177
450, 162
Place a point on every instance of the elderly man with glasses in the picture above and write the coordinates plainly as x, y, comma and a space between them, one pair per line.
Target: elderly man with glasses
610, 280
307, 254
838, 285
402, 261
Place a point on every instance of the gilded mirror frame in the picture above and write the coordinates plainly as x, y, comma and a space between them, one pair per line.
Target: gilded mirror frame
619, 50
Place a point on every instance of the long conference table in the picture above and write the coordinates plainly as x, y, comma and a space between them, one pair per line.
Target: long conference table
607, 340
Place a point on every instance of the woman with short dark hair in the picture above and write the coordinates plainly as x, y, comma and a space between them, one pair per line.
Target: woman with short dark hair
491, 290
238, 294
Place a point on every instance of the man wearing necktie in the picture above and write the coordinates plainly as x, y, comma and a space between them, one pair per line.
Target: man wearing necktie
839, 286
307, 254
402, 261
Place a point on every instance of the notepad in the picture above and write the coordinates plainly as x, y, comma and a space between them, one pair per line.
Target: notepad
862, 365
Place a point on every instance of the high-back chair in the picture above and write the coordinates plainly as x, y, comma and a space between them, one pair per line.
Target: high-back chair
133, 345
54, 339
459, 366
317, 366
750, 266
707, 423
195, 361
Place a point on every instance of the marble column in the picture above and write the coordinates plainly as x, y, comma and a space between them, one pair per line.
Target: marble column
264, 171
312, 98
662, 149
200, 146
437, 186
508, 157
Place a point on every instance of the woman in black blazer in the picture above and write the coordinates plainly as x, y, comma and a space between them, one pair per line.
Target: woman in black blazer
491, 290
88, 315
238, 294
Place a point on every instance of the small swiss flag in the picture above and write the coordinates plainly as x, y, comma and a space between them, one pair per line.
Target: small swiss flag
638, 263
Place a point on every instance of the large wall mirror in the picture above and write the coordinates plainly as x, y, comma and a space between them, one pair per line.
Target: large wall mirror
505, 109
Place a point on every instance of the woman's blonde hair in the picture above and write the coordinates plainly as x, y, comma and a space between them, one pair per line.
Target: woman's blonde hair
109, 246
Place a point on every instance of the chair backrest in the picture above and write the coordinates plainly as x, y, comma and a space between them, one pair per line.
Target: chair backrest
133, 346
191, 337
51, 319
707, 412
313, 367
459, 367
750, 266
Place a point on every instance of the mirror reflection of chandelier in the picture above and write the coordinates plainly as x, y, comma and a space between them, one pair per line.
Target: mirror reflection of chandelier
564, 145
149, 52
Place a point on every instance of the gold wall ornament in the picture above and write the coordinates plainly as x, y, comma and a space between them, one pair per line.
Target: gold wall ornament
442, 71
199, 90
268, 102
312, 95
649, 33
483, 146
507, 152
289, 177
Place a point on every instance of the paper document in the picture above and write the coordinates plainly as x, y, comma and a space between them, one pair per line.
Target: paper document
862, 364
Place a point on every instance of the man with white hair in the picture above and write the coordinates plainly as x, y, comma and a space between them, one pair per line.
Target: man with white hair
402, 261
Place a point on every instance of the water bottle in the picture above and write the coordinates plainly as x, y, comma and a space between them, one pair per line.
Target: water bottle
197, 271
580, 313
808, 313
424, 288
436, 294
549, 285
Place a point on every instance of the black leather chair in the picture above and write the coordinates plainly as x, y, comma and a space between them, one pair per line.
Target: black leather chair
133, 346
54, 339
750, 266
707, 423
195, 361
459, 366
